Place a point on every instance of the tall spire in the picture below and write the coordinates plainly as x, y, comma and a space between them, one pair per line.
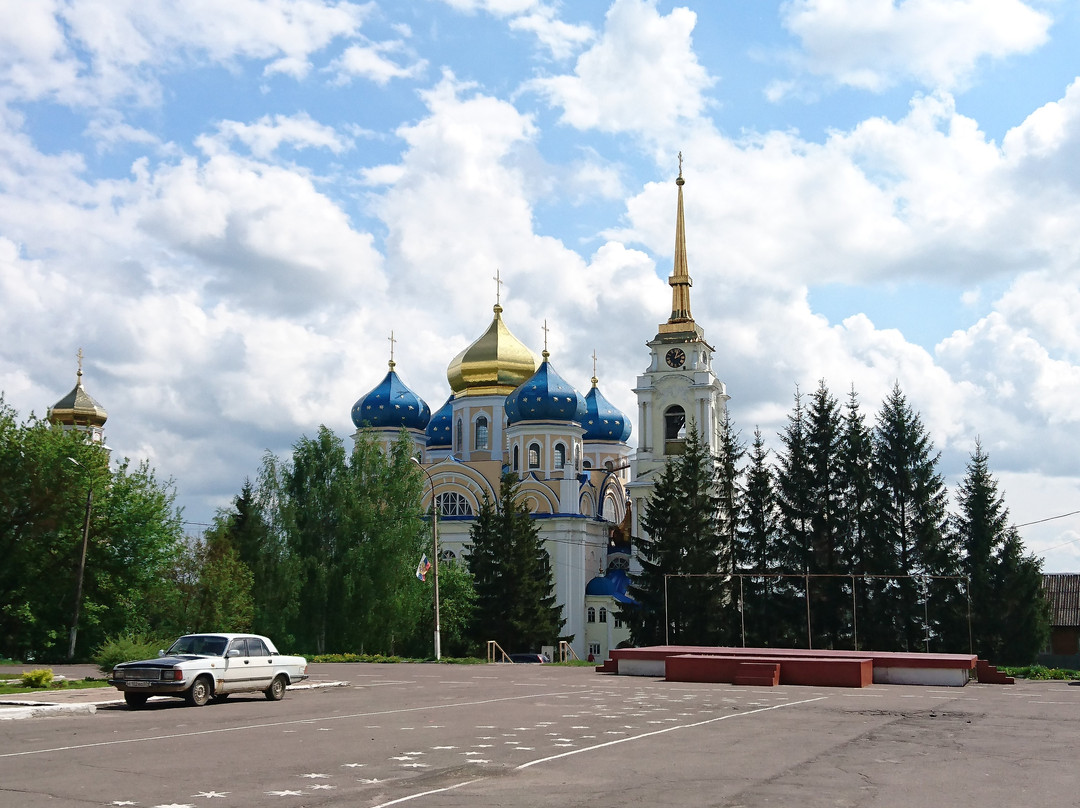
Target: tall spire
680, 278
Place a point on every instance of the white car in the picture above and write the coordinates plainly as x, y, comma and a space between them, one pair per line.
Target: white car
201, 667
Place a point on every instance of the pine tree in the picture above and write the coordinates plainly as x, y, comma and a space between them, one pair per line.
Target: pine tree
1008, 613
914, 519
795, 506
866, 552
683, 520
830, 597
511, 570
730, 451
755, 548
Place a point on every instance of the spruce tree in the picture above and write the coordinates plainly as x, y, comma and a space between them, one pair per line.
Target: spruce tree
515, 601
865, 549
685, 537
1009, 623
755, 548
730, 451
914, 519
795, 506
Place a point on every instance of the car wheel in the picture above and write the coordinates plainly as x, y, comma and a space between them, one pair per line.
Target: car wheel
135, 701
200, 692
276, 691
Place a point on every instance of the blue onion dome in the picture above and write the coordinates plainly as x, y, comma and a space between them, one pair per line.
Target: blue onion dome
602, 420
546, 396
439, 434
391, 404
613, 585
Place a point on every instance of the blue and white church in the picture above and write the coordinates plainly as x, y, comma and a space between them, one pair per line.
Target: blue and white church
583, 482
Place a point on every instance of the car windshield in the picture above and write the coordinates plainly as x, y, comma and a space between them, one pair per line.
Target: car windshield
199, 645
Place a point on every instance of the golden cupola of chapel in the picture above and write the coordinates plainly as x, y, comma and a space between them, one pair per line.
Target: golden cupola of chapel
78, 410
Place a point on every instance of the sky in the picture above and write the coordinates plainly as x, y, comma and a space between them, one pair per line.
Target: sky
229, 205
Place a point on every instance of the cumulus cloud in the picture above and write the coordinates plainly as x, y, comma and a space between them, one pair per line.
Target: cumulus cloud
561, 38
641, 76
264, 137
372, 61
873, 44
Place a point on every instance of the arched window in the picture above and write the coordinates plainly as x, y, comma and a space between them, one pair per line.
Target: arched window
560, 455
458, 439
590, 615
586, 464
452, 503
674, 423
450, 557
603, 615
534, 455
480, 432
517, 458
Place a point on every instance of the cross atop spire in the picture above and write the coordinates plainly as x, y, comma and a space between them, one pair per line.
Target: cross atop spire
594, 379
79, 356
392, 341
545, 354
498, 288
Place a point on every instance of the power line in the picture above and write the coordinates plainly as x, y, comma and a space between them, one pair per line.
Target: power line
1049, 519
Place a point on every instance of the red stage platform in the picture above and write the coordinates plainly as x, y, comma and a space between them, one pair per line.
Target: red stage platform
798, 666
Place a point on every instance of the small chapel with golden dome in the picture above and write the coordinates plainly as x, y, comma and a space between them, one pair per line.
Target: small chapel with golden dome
584, 484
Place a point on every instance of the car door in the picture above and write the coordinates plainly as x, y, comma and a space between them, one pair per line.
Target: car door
260, 664
237, 667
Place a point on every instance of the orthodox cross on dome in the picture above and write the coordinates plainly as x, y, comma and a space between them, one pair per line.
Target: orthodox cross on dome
498, 288
546, 329
79, 356
594, 379
392, 341
680, 163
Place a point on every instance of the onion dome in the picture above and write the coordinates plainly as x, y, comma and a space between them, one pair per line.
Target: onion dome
439, 434
493, 365
78, 408
613, 585
602, 420
546, 396
391, 404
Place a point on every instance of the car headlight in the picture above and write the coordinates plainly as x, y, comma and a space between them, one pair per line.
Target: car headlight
117, 674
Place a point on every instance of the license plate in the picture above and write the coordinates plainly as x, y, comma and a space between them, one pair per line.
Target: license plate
137, 683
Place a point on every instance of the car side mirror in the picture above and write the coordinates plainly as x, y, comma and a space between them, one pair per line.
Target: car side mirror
161, 652
234, 652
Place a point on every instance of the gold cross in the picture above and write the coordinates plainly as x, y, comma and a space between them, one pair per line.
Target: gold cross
392, 341
545, 335
498, 288
680, 163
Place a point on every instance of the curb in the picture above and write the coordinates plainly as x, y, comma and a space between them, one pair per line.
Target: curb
46, 711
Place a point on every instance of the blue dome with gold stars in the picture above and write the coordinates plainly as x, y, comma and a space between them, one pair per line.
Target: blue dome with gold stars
391, 404
602, 420
439, 434
546, 396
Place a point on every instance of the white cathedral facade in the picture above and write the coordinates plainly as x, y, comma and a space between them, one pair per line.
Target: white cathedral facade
583, 482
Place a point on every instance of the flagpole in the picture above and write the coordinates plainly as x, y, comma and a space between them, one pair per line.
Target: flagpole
435, 556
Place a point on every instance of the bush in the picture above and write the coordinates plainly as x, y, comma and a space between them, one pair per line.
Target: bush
125, 648
40, 678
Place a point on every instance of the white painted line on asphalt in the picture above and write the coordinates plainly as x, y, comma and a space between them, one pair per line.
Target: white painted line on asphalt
427, 708
666, 729
425, 794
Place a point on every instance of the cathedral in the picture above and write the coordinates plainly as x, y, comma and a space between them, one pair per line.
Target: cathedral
583, 482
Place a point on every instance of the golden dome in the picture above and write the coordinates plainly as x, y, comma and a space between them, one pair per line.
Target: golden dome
496, 364
78, 408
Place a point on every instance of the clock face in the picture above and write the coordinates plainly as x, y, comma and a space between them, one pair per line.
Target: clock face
675, 357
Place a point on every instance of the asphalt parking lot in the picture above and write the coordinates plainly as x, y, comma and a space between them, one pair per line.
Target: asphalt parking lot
537, 735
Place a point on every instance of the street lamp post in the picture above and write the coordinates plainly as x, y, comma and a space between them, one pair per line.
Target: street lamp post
82, 564
435, 556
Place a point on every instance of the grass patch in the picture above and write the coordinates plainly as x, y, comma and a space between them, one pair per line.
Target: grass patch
11, 685
1040, 672
380, 659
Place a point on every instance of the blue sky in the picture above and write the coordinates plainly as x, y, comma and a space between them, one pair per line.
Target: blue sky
229, 205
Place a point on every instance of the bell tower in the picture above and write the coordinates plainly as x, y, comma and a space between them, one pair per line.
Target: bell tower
679, 390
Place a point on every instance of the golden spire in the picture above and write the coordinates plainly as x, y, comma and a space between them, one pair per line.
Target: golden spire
680, 278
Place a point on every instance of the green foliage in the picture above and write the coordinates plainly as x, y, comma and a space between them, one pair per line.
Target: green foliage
684, 518
41, 677
511, 571
1040, 672
457, 607
126, 648
134, 533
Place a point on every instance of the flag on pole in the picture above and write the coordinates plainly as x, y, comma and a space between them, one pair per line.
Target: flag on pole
423, 567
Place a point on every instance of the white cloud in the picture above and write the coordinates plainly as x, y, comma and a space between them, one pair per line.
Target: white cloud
642, 76
266, 136
370, 61
873, 44
561, 38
